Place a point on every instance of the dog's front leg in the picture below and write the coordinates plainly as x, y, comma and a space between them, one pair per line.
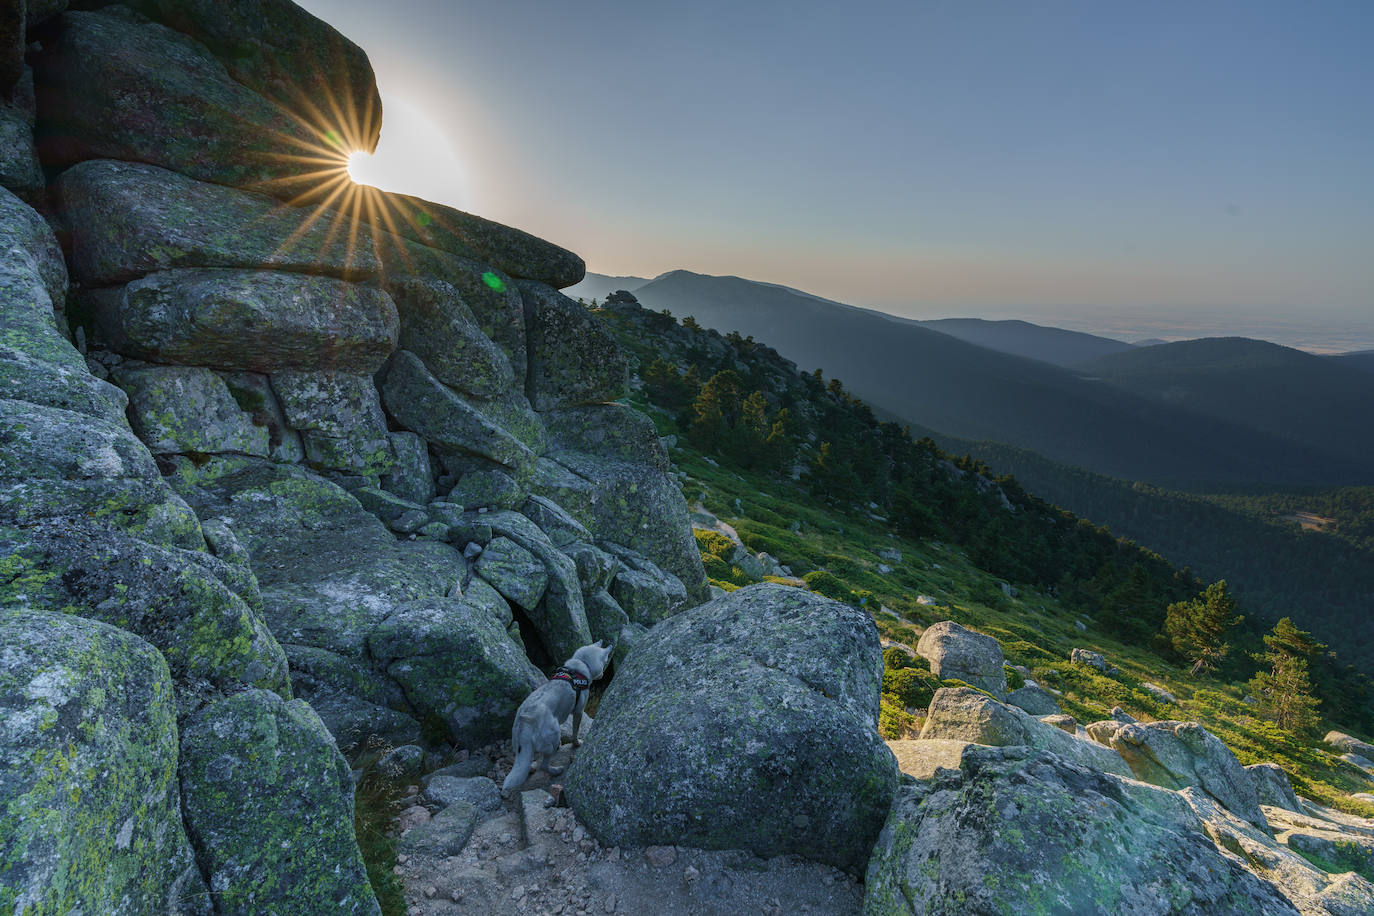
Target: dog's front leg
577, 719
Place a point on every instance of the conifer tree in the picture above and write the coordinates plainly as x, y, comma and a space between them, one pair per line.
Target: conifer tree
1285, 691
1196, 628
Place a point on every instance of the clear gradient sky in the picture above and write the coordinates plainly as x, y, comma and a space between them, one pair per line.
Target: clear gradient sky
961, 157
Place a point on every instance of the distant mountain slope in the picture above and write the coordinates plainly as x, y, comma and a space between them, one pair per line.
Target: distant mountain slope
599, 286
1033, 341
1361, 359
961, 389
1278, 390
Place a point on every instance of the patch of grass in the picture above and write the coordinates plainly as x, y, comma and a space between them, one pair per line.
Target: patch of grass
372, 813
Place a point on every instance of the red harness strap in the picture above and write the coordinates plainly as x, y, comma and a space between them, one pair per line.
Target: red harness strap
576, 679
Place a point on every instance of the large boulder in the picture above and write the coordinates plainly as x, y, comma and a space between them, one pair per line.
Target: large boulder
268, 803
339, 416
90, 806
956, 653
510, 251
573, 359
176, 599
513, 571
449, 421
1349, 744
961, 714
258, 320
560, 616
183, 409
438, 326
129, 219
1180, 754
746, 723
20, 170
1272, 786
279, 50
456, 662
329, 571
1015, 830
629, 503
185, 112
1035, 700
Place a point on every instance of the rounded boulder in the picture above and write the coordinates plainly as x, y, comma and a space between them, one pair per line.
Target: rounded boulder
746, 723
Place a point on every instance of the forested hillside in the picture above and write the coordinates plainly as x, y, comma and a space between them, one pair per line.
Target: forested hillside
961, 389
738, 403
1325, 582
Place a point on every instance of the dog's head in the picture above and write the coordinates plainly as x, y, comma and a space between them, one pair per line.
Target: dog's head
595, 657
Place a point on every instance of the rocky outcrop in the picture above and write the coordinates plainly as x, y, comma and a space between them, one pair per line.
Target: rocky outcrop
759, 709
1349, 744
269, 807
90, 805
1272, 787
958, 654
961, 714
1022, 831
1176, 755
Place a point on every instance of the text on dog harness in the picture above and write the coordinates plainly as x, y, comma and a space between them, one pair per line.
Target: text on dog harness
577, 679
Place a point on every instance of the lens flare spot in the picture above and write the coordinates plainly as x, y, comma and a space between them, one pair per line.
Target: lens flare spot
333, 139
423, 218
495, 282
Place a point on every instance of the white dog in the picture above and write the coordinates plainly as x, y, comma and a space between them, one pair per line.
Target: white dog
538, 727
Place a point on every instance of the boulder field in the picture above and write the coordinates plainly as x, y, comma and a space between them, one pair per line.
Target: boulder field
294, 473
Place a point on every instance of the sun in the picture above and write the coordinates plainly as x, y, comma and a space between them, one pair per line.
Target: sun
362, 168
415, 155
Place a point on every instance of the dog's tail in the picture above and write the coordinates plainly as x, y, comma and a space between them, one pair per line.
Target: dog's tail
520, 771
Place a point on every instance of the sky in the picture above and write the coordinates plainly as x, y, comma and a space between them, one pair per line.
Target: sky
1126, 165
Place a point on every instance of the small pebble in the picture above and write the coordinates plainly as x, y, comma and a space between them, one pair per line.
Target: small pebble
430, 891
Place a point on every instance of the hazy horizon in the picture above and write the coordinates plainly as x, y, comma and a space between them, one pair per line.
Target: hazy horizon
1076, 160
1170, 324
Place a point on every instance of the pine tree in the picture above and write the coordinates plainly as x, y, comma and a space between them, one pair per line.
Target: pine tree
1195, 628
715, 410
1285, 691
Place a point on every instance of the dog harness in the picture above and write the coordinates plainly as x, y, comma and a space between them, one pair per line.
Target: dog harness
576, 679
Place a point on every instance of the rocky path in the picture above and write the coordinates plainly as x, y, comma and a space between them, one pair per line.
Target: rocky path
524, 854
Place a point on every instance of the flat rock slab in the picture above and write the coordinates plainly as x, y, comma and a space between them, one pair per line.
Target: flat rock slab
256, 320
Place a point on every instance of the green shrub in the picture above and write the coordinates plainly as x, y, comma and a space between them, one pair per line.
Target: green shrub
896, 658
713, 543
723, 584
1015, 680
911, 687
823, 583
894, 722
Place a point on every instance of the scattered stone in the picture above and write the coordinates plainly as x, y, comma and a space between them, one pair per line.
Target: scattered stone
513, 571
1159, 693
955, 653
1089, 658
660, 856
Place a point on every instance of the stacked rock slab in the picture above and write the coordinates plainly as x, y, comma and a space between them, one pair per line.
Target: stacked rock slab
252, 354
